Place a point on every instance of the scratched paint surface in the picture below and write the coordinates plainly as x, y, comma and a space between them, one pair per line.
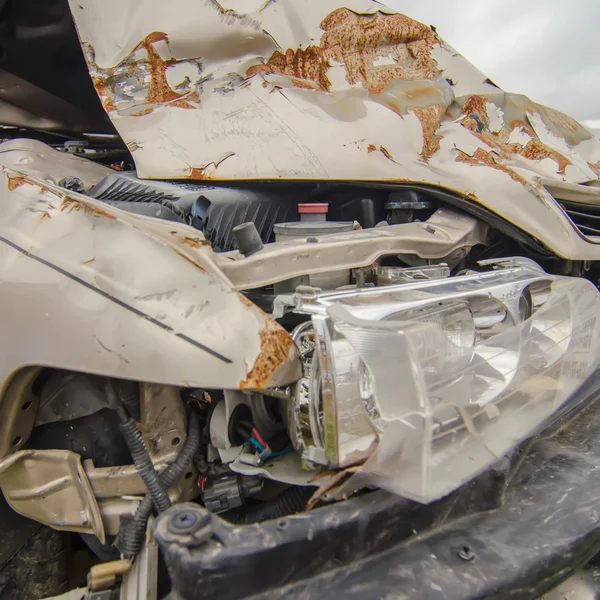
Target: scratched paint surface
307, 89
98, 290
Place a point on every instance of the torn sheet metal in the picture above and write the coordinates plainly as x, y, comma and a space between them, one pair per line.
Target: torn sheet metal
300, 89
118, 294
447, 234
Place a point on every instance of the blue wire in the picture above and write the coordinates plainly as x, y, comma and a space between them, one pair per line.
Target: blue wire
257, 444
282, 452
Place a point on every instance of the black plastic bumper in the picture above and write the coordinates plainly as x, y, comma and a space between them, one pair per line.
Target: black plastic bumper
515, 532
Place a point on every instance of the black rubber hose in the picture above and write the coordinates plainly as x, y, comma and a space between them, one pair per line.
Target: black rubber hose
143, 464
291, 501
131, 536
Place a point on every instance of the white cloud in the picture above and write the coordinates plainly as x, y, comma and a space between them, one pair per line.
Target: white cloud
546, 49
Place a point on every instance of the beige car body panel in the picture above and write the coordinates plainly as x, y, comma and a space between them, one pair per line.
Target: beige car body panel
99, 290
307, 89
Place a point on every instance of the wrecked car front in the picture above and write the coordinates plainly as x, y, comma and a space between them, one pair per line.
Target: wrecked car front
346, 292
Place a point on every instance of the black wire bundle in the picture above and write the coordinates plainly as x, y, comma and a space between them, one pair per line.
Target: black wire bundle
133, 531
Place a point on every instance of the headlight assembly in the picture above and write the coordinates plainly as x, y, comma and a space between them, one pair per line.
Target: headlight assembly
433, 381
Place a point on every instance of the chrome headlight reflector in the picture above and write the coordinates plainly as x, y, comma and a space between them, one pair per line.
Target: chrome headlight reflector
435, 380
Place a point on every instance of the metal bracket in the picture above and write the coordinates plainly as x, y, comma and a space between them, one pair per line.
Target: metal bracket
51, 486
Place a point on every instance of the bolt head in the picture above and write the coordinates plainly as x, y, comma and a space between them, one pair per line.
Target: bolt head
184, 521
465, 553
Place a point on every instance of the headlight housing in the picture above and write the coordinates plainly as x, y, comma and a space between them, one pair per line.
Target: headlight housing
433, 381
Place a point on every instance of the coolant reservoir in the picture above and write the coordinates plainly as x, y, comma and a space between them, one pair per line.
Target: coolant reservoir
313, 223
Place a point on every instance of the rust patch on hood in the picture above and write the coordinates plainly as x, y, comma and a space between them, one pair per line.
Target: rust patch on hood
430, 121
523, 126
305, 66
476, 119
475, 114
482, 158
160, 91
357, 41
536, 150
146, 78
276, 349
371, 148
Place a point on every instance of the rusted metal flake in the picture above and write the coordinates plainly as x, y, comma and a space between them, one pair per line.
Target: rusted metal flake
535, 150
192, 241
475, 114
66, 203
482, 158
476, 119
103, 91
15, 182
306, 67
141, 113
386, 153
276, 349
201, 172
197, 173
70, 205
523, 126
233, 15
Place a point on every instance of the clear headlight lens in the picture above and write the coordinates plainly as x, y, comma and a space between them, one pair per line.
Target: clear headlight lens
435, 380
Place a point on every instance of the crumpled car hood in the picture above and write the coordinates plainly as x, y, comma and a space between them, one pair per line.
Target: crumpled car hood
300, 89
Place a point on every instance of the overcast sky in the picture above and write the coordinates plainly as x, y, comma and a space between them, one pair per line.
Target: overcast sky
546, 49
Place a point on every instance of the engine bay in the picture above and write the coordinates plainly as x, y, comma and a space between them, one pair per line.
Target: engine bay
340, 274
285, 263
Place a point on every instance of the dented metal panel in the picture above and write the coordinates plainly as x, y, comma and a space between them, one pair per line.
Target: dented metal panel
52, 487
98, 290
448, 234
300, 89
